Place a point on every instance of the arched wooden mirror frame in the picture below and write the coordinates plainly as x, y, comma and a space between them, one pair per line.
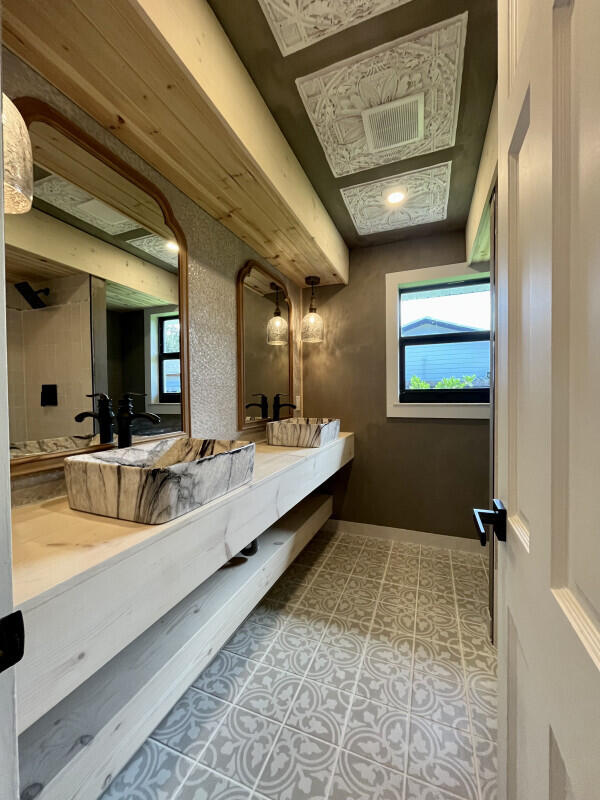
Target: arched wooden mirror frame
34, 110
242, 274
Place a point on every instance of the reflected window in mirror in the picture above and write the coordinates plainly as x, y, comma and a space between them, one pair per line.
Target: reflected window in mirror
93, 275
264, 346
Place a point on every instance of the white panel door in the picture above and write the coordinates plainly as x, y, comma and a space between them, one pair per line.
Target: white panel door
548, 446
8, 726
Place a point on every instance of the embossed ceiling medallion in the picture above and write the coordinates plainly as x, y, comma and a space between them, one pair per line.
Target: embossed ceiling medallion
425, 200
428, 61
299, 23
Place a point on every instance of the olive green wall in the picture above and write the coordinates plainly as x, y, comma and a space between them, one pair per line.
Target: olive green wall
419, 474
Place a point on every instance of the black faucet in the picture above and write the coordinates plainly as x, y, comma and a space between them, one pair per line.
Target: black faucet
278, 405
126, 415
104, 416
263, 405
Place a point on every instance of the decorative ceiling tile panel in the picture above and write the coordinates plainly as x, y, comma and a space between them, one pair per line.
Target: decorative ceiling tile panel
299, 23
428, 61
63, 194
426, 200
156, 246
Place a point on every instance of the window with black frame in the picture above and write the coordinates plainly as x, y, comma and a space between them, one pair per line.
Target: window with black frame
445, 342
169, 360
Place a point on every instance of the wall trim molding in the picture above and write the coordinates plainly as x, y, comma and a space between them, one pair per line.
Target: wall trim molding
404, 535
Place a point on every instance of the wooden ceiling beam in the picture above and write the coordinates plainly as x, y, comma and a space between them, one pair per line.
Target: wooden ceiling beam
164, 78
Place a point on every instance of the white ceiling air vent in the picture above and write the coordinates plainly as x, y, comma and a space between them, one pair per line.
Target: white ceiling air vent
394, 124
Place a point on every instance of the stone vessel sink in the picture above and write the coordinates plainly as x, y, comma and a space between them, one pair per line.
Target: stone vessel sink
154, 482
303, 431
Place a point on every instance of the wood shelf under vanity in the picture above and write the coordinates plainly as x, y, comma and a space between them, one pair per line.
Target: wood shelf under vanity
88, 586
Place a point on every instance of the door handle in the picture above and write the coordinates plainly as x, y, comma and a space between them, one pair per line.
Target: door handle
495, 517
12, 640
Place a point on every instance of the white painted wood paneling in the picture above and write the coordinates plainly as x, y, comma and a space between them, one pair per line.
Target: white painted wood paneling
93, 732
89, 585
8, 732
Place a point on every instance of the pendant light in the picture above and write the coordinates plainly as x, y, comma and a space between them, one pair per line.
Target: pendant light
312, 324
18, 160
277, 327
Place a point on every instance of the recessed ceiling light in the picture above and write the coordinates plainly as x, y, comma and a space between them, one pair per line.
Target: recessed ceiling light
173, 246
395, 197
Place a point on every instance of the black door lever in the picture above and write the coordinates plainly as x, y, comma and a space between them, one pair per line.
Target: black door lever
496, 518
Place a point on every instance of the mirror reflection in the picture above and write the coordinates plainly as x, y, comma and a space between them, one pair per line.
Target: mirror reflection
265, 328
92, 302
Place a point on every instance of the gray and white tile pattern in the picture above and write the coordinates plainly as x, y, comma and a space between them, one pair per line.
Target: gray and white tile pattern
364, 674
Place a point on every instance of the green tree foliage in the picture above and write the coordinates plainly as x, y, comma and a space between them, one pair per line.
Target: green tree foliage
445, 383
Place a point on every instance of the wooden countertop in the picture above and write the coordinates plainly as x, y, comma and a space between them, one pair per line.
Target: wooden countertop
53, 545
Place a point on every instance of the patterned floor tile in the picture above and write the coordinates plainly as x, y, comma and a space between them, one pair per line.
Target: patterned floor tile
472, 591
285, 591
439, 659
206, 785
406, 548
290, 653
191, 722
386, 645
465, 557
340, 565
442, 757
439, 624
487, 765
385, 683
358, 606
431, 601
271, 614
347, 633
400, 621
307, 624
270, 692
481, 662
440, 700
398, 597
333, 581
473, 573
484, 714
154, 773
319, 599
401, 577
335, 666
357, 778
300, 573
251, 640
299, 768
240, 746
415, 790
377, 732
320, 711
368, 569
225, 676
435, 582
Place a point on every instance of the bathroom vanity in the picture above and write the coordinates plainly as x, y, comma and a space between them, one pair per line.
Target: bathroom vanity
120, 617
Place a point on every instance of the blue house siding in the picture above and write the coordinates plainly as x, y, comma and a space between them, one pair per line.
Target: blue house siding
432, 362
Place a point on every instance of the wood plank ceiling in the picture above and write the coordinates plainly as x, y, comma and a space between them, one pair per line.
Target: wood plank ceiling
165, 80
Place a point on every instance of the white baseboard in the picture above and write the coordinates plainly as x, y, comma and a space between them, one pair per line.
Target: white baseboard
405, 535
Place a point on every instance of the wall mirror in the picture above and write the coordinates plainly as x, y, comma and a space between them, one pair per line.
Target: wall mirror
265, 345
95, 296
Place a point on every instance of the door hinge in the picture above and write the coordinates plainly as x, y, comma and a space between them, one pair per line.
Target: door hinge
12, 640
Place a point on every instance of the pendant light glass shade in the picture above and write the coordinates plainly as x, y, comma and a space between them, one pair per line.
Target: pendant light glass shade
312, 324
18, 160
277, 327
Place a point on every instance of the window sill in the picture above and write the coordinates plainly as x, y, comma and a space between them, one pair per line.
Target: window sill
440, 410
164, 408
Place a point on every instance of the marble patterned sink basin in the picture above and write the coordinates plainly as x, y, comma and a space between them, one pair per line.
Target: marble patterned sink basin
303, 431
154, 482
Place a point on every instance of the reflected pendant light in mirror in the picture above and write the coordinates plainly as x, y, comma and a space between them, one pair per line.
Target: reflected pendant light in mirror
312, 324
277, 327
18, 160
